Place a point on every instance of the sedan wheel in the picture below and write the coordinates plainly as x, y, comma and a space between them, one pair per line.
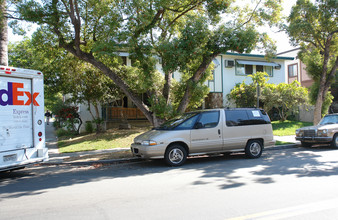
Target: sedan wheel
175, 155
334, 143
254, 149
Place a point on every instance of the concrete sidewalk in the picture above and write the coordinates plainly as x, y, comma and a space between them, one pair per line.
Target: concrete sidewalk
289, 139
55, 157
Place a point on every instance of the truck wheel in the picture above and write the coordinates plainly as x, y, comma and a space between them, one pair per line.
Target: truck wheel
175, 155
305, 144
334, 142
254, 149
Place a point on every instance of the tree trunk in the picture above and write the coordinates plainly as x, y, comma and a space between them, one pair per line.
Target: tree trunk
167, 87
320, 99
324, 82
116, 79
3, 35
98, 120
191, 82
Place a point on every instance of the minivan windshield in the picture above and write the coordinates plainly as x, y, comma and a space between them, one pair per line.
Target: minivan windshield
174, 122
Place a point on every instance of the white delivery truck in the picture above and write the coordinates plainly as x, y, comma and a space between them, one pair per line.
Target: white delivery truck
22, 127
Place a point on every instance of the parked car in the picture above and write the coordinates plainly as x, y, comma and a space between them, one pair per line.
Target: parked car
206, 132
326, 132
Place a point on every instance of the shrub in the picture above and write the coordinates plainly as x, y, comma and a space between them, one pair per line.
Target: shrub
67, 117
89, 127
62, 132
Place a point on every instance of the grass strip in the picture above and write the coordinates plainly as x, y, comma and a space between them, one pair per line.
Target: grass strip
288, 127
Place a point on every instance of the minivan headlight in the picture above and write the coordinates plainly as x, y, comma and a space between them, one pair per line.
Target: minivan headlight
149, 143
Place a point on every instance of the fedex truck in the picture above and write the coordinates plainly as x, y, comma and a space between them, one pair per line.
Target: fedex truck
22, 127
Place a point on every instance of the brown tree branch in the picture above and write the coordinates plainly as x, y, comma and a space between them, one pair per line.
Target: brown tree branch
252, 14
194, 79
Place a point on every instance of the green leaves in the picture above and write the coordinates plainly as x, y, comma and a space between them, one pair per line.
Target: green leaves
285, 98
314, 27
185, 35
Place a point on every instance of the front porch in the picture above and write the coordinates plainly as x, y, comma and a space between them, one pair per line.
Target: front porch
115, 116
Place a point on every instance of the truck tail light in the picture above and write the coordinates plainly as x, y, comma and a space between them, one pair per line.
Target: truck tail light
40, 134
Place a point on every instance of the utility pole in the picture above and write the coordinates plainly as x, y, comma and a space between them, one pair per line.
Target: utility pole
258, 94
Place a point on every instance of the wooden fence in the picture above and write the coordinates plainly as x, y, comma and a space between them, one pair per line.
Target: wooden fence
124, 113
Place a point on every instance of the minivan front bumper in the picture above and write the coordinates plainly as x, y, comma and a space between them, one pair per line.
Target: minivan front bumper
148, 152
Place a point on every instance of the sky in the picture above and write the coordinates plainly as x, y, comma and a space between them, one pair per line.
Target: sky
282, 39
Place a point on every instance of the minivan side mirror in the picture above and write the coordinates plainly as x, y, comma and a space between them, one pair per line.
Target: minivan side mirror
198, 125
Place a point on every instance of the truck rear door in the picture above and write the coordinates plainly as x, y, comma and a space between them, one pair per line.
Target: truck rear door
16, 122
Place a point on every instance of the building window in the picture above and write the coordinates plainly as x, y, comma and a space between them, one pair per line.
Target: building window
267, 69
259, 68
124, 61
246, 69
242, 69
293, 70
211, 82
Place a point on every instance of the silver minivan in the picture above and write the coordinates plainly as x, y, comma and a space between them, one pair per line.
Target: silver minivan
206, 132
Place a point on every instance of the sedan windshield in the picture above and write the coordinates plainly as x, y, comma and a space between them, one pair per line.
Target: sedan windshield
174, 122
329, 119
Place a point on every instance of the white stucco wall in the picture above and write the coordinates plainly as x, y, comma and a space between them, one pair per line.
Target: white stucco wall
225, 78
86, 116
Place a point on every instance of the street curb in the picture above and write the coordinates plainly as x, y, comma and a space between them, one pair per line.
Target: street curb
282, 147
136, 159
114, 161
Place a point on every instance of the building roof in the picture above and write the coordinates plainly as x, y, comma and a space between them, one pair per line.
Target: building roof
258, 56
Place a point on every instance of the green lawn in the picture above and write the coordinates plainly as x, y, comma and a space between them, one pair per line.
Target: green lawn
288, 127
113, 138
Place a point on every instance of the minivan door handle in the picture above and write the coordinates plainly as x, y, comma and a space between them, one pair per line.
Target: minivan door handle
219, 131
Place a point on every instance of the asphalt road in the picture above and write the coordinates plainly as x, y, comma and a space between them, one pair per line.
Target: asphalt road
282, 184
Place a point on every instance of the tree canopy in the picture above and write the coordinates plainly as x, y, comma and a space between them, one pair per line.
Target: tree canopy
185, 35
313, 26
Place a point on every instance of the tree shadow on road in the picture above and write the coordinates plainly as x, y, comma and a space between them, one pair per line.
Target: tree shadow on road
226, 172
235, 171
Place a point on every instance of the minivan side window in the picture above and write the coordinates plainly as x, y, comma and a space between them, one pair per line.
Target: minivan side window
188, 124
209, 119
236, 117
258, 117
246, 117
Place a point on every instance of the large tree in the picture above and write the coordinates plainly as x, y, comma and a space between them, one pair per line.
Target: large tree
64, 73
187, 35
314, 27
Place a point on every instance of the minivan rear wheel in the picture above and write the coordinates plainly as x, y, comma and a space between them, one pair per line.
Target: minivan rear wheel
175, 155
254, 149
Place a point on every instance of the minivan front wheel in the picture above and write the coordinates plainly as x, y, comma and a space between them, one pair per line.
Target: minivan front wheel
254, 149
175, 155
